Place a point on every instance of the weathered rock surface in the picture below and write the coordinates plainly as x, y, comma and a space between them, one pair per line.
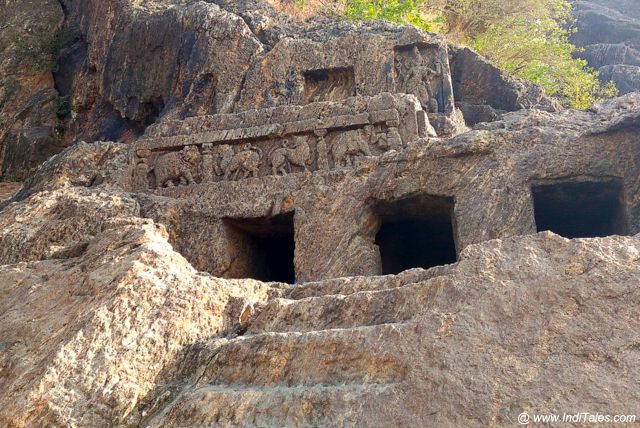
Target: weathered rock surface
89, 334
59, 224
487, 175
284, 152
83, 164
127, 333
7, 190
536, 324
28, 99
609, 32
483, 91
103, 323
120, 66
127, 63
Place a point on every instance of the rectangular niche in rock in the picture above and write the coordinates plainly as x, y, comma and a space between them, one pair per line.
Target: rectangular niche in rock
329, 85
419, 71
264, 248
580, 209
416, 232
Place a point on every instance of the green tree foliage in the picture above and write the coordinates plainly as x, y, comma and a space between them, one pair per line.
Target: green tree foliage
402, 11
470, 17
529, 38
540, 52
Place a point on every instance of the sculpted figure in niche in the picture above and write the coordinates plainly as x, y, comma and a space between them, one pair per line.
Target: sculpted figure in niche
296, 153
208, 165
419, 81
322, 153
245, 163
225, 154
393, 138
348, 145
140, 180
176, 166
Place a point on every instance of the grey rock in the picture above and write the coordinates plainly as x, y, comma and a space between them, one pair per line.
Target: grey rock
602, 54
481, 88
609, 32
626, 77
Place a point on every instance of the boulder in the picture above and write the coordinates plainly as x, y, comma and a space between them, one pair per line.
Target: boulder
483, 90
99, 311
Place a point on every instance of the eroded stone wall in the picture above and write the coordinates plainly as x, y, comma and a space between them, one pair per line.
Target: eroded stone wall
488, 173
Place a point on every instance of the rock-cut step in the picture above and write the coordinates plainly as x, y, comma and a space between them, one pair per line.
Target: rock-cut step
330, 357
364, 308
314, 406
351, 285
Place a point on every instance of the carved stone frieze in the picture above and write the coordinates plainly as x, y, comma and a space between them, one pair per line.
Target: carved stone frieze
322, 136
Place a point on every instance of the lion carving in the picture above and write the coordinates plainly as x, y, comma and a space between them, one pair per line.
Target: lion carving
298, 153
243, 164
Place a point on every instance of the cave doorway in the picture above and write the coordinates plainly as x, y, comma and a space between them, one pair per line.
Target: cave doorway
266, 247
580, 209
416, 232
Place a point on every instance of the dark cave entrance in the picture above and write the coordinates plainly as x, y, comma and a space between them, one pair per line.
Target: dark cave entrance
580, 209
416, 232
268, 246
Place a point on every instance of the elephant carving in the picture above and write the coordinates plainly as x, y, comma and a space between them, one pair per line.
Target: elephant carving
297, 153
351, 144
176, 166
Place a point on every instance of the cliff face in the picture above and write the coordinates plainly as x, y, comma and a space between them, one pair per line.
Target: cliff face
90, 70
318, 224
103, 323
113, 68
28, 99
122, 65
609, 32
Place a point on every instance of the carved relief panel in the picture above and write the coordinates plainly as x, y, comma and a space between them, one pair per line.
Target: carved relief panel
419, 71
211, 162
215, 149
